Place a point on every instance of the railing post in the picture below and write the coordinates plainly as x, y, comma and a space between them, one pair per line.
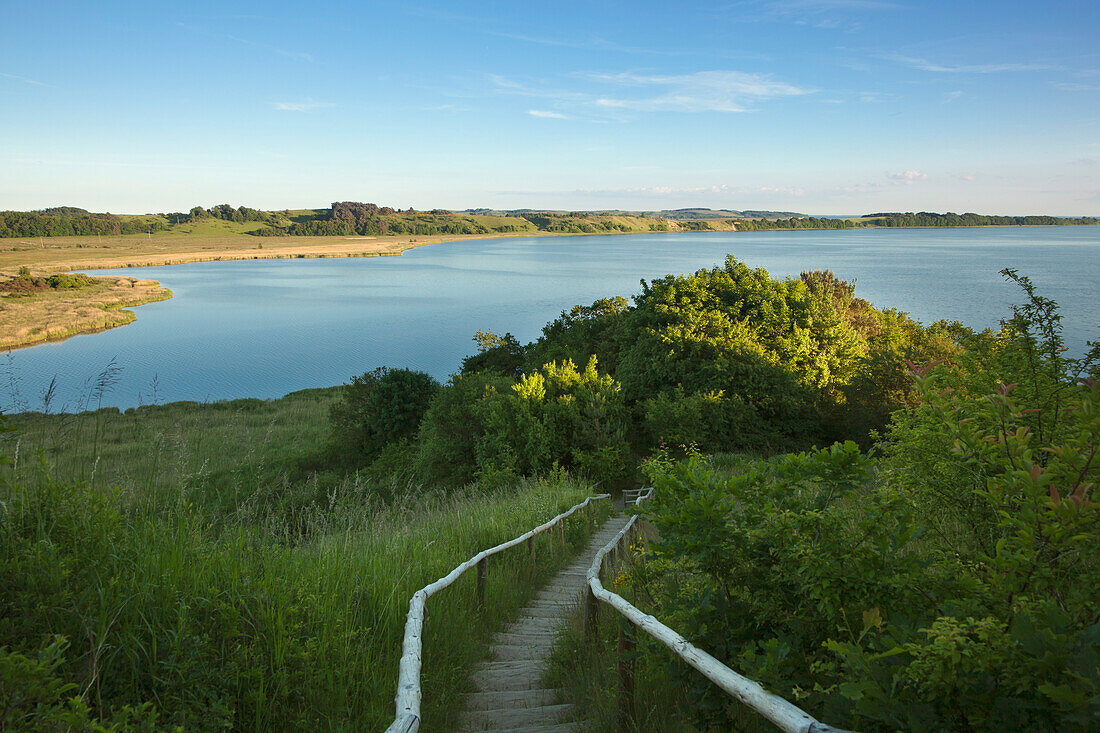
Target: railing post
626, 675
590, 614
481, 566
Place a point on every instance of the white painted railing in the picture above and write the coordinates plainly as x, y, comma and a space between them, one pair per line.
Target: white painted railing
785, 715
408, 696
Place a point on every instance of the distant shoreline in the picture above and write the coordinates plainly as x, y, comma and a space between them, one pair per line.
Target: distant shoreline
67, 254
91, 314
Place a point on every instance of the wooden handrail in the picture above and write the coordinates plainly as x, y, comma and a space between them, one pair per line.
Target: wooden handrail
787, 716
407, 700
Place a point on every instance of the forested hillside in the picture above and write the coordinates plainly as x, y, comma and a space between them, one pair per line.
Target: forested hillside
350, 218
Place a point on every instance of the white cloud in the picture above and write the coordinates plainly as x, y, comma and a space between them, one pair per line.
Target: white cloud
925, 65
836, 15
702, 91
1072, 86
907, 177
23, 79
547, 114
307, 106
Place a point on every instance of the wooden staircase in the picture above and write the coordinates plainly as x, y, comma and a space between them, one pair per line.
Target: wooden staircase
511, 696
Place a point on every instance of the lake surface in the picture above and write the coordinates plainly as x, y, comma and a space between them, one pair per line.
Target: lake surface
263, 328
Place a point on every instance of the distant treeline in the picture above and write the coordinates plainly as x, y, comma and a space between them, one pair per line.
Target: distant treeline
350, 218
67, 221
899, 220
225, 212
579, 222
805, 222
70, 221
929, 219
347, 218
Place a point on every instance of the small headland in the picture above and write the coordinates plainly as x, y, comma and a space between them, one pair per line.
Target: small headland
36, 307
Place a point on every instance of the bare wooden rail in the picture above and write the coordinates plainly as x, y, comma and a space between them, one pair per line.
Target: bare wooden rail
785, 715
407, 700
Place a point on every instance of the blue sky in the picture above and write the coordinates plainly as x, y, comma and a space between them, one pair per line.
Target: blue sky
817, 106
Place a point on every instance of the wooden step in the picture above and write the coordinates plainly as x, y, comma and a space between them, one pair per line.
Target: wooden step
514, 699
511, 696
473, 720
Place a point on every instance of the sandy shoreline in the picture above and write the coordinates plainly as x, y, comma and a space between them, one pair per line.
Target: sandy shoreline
61, 254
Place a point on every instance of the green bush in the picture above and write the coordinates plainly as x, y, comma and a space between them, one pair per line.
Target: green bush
488, 428
65, 281
379, 408
950, 586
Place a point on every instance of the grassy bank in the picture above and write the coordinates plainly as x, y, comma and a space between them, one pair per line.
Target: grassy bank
51, 315
186, 572
219, 454
56, 254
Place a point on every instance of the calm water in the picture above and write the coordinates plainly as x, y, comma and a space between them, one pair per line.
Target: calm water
266, 328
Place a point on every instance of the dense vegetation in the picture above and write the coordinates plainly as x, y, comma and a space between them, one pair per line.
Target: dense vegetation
72, 222
803, 222
25, 283
948, 583
181, 566
928, 219
351, 218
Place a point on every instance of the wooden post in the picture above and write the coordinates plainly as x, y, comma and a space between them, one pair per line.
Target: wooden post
531, 548
626, 675
481, 581
590, 614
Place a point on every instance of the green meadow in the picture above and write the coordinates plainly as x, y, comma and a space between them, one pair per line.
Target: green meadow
182, 566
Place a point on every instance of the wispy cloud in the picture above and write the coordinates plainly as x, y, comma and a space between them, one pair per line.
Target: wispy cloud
298, 55
505, 85
23, 79
968, 177
824, 14
907, 177
599, 43
703, 91
547, 114
925, 65
446, 108
305, 106
1072, 86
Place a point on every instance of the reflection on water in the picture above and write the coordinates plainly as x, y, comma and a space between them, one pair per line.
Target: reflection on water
267, 327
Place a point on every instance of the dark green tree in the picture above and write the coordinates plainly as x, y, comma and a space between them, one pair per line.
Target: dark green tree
379, 408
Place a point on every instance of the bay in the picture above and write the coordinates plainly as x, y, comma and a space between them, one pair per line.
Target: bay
264, 328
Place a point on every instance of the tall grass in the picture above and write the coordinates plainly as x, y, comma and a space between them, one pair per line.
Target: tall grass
219, 455
175, 582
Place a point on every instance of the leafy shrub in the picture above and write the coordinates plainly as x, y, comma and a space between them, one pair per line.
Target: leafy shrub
34, 698
500, 354
486, 427
378, 408
733, 359
952, 586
